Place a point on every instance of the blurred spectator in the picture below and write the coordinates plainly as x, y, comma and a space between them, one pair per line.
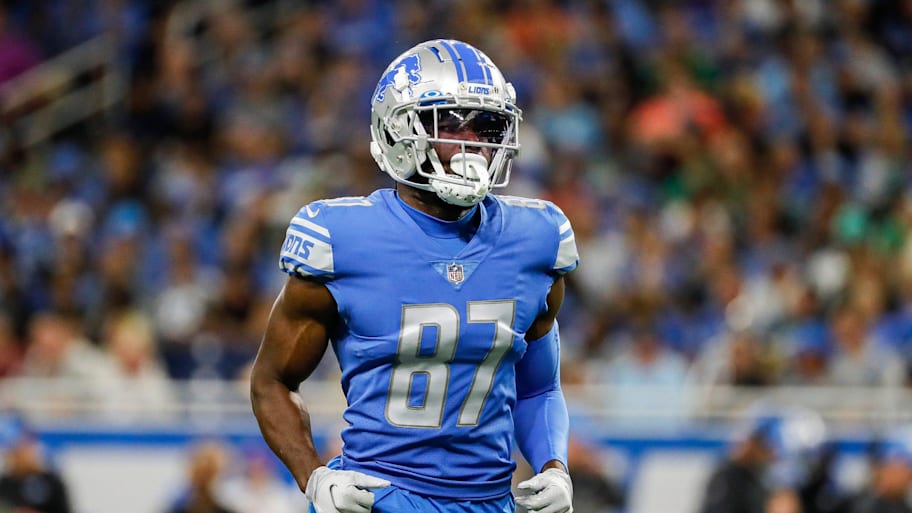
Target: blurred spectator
184, 297
646, 379
205, 465
772, 463
54, 348
891, 483
27, 483
58, 349
738, 360
71, 222
819, 490
594, 491
136, 382
646, 361
858, 361
738, 485
802, 343
257, 487
679, 107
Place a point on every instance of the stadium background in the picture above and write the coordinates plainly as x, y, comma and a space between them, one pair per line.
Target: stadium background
737, 173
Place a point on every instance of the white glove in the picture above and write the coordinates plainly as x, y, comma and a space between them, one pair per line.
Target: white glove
341, 491
548, 492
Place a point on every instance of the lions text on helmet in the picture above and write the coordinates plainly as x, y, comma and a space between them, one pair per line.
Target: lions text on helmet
444, 119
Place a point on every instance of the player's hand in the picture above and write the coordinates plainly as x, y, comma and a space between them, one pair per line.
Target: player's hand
549, 492
342, 491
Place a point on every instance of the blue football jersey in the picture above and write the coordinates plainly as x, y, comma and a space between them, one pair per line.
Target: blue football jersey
429, 338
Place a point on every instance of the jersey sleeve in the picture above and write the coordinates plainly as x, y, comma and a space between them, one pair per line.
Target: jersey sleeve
567, 257
308, 251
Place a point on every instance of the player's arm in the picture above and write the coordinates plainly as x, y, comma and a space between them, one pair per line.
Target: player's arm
541, 412
541, 421
297, 334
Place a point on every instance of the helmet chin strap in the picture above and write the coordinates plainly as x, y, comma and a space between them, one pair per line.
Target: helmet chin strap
473, 168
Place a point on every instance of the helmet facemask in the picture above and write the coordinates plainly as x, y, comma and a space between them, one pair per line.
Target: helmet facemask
480, 163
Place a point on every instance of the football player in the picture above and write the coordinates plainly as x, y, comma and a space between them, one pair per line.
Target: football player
439, 300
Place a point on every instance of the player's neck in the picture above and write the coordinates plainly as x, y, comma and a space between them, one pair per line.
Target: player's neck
429, 203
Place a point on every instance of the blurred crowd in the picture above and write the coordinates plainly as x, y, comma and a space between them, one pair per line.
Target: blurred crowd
737, 174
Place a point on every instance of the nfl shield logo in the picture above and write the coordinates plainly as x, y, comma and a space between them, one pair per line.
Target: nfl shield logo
455, 274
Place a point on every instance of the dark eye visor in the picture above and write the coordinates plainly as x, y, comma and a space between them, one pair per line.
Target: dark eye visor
488, 126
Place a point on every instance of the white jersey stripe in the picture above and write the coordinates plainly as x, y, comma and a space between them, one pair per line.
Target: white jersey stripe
564, 228
298, 219
567, 254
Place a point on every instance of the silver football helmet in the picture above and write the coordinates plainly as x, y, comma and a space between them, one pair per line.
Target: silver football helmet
445, 86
